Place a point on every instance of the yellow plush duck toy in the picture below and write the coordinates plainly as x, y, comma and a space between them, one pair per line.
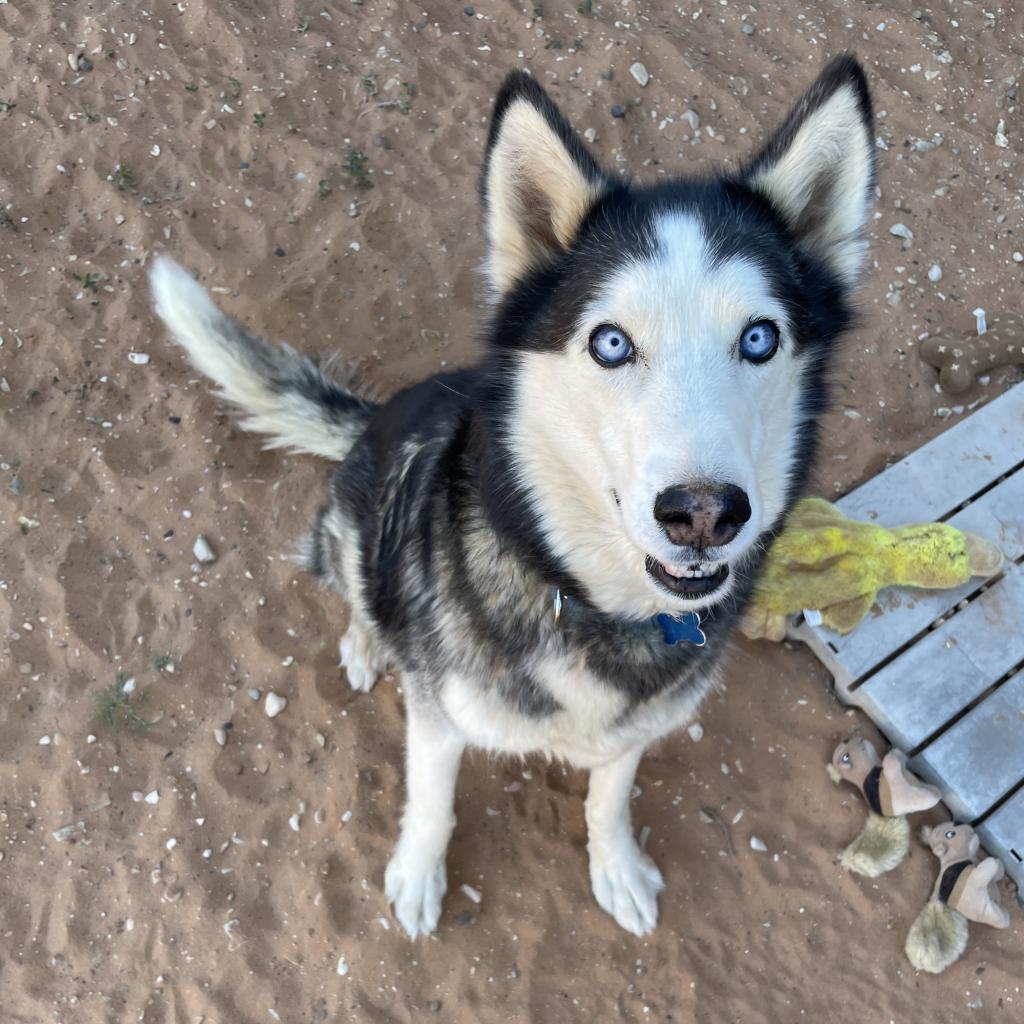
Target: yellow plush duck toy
824, 561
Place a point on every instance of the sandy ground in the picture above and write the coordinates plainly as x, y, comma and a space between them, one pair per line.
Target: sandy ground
201, 882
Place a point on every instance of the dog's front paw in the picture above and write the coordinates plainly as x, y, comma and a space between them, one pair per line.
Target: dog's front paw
359, 659
626, 883
415, 886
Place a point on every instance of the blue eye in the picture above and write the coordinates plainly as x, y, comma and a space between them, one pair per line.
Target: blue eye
759, 341
610, 346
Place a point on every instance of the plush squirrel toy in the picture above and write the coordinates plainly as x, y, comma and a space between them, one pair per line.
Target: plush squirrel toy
962, 893
891, 793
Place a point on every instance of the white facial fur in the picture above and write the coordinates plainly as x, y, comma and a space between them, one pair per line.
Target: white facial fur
687, 409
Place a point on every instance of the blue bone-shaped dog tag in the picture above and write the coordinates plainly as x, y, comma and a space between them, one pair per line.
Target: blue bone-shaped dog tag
683, 630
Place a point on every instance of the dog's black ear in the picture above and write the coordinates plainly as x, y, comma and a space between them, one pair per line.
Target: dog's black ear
818, 169
538, 182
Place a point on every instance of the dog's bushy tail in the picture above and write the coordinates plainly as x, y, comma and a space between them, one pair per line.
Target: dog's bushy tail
283, 394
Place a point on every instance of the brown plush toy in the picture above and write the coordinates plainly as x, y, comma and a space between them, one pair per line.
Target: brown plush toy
891, 792
959, 362
963, 892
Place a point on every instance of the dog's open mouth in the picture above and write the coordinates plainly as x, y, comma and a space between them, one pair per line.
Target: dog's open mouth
693, 580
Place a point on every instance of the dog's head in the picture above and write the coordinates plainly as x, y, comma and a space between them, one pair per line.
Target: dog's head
661, 348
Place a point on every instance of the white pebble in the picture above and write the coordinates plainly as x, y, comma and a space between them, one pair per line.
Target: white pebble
171, 843
202, 550
154, 151
640, 73
295, 823
221, 736
90, 738
346, 817
590, 135
138, 358
1018, 257
44, 741
935, 273
274, 705
342, 966
152, 797
758, 844
902, 231
137, 796
1001, 140
979, 320
254, 694
119, 219
474, 894
696, 732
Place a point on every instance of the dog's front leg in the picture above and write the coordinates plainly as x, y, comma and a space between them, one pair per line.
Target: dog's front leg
626, 882
416, 880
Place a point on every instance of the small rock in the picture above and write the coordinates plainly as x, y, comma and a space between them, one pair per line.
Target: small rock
640, 73
279, 252
1018, 257
154, 151
618, 111
692, 118
342, 962
469, 10
295, 823
1001, 140
590, 135
65, 833
254, 694
935, 273
696, 731
202, 550
138, 358
758, 844
474, 894
902, 231
152, 797
748, 29
382, 142
45, 741
434, 1005
119, 219
25, 668
274, 705
221, 736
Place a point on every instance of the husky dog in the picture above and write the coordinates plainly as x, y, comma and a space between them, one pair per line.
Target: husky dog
532, 541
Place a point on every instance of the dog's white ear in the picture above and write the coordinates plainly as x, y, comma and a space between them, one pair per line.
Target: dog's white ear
538, 182
818, 170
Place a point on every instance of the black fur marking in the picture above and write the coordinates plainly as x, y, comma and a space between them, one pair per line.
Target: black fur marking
950, 877
870, 788
526, 696
318, 551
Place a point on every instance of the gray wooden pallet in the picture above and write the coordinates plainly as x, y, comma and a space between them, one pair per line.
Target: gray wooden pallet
941, 673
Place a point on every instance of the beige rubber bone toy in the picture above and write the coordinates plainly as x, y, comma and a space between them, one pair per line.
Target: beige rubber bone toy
963, 892
891, 792
960, 361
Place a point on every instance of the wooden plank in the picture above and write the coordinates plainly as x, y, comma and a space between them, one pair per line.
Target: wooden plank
941, 475
1002, 835
930, 682
904, 613
981, 758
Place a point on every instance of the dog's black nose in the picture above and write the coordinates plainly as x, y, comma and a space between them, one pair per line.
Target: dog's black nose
702, 515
